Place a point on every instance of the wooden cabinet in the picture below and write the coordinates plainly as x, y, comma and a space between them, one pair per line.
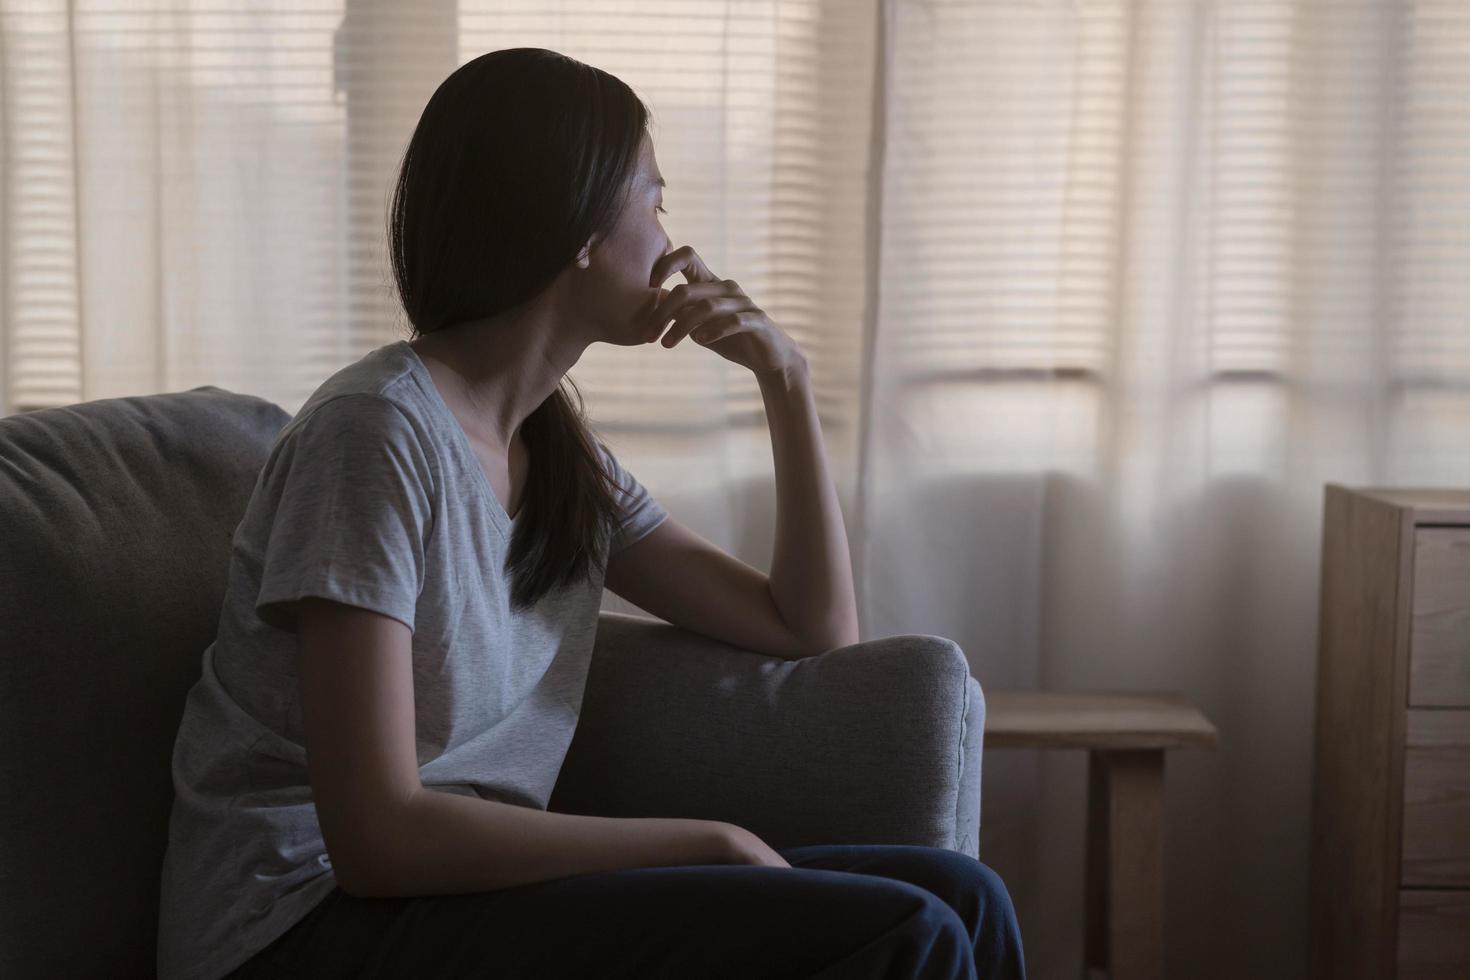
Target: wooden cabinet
1390, 888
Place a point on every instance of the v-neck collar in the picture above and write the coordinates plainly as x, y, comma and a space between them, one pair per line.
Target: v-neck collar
492, 502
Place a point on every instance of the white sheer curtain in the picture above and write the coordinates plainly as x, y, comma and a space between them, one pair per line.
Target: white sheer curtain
1098, 295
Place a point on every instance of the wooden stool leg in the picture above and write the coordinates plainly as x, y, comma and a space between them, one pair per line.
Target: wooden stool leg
1125, 864
1096, 899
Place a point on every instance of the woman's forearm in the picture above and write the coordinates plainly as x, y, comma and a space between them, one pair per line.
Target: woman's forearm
811, 571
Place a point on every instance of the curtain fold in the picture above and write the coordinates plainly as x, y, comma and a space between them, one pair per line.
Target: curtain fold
1098, 295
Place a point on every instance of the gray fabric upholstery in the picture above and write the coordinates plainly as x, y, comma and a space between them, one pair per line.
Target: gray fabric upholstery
116, 517
874, 742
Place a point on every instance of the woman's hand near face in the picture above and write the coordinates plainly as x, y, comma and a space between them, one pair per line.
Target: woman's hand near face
717, 315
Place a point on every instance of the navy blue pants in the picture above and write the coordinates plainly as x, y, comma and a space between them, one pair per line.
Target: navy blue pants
841, 910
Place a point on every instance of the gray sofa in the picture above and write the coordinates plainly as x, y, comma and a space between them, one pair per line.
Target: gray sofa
116, 517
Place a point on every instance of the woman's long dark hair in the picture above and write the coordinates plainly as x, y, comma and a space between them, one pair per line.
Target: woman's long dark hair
520, 157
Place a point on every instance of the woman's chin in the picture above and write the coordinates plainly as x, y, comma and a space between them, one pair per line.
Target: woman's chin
636, 332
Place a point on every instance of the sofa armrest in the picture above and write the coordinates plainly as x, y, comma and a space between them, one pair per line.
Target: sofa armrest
876, 742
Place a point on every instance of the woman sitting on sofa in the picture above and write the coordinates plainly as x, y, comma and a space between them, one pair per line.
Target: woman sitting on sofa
362, 771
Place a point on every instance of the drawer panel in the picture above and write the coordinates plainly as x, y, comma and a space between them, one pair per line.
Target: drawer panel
1439, 641
1436, 828
1434, 935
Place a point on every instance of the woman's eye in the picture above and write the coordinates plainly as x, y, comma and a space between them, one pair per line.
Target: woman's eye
660, 209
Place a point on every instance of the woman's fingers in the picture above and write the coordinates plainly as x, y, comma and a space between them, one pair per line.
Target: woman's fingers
670, 301
682, 259
691, 303
700, 312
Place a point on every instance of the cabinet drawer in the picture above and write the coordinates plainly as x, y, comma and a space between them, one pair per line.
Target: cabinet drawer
1434, 935
1436, 828
1439, 642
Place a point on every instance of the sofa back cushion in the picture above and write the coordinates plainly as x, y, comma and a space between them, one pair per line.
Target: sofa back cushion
116, 517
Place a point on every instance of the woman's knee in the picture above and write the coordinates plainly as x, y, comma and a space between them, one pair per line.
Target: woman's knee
955, 875
992, 890
903, 929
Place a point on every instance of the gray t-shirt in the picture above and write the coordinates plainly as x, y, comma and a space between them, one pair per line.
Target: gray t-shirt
371, 496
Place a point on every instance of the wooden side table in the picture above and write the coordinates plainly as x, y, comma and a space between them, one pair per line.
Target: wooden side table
1126, 735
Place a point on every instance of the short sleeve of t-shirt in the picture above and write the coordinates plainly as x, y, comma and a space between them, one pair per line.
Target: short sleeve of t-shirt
352, 493
641, 512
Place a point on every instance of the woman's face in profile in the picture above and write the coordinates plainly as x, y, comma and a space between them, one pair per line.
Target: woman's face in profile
619, 296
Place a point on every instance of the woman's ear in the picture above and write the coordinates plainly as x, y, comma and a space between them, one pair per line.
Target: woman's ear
584, 256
